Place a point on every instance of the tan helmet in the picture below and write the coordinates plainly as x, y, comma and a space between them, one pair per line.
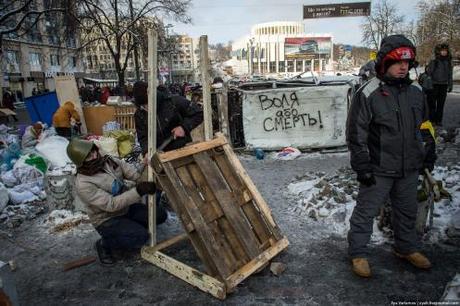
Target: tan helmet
78, 150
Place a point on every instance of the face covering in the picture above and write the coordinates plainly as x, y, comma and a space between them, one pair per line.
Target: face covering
93, 166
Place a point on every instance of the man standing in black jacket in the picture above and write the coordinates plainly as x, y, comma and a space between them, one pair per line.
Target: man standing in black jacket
386, 150
440, 71
176, 118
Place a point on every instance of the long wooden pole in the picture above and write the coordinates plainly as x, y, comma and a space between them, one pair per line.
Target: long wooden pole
204, 68
152, 127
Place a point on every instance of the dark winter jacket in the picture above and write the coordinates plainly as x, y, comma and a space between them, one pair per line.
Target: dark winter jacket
171, 112
440, 68
383, 128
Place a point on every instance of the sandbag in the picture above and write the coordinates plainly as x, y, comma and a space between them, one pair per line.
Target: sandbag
54, 149
125, 141
108, 146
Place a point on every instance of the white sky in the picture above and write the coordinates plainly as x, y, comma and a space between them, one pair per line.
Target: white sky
224, 20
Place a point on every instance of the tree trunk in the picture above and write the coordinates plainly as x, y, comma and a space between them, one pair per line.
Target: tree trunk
121, 81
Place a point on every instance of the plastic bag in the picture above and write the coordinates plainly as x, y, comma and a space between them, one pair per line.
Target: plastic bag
4, 197
125, 141
37, 162
10, 156
108, 146
25, 193
288, 153
54, 149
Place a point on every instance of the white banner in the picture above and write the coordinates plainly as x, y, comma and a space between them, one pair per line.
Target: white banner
304, 117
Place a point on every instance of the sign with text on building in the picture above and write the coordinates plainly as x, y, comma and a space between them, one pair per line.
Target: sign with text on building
306, 47
353, 9
307, 117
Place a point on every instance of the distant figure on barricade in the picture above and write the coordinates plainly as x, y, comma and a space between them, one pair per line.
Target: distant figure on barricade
62, 119
111, 191
387, 153
31, 136
440, 71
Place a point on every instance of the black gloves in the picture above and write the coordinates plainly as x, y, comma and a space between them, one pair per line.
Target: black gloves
144, 188
449, 89
429, 166
366, 178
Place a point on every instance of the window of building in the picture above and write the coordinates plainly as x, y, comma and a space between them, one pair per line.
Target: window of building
290, 66
54, 60
73, 61
273, 66
35, 61
12, 61
281, 66
299, 66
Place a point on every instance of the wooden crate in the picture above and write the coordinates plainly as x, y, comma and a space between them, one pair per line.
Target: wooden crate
124, 115
226, 219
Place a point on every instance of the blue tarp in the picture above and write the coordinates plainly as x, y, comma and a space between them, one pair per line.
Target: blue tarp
42, 107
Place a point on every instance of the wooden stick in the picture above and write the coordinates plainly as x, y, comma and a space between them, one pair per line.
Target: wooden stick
79, 262
204, 68
223, 110
152, 115
192, 276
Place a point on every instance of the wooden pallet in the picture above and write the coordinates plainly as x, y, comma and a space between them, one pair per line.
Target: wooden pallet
224, 216
124, 115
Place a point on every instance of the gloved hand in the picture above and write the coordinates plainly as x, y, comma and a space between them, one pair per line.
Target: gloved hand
429, 166
449, 89
366, 178
144, 188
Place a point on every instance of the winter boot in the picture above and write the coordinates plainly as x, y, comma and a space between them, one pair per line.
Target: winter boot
104, 254
361, 267
417, 259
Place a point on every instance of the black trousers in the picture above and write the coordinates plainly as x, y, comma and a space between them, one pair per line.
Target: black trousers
129, 231
436, 100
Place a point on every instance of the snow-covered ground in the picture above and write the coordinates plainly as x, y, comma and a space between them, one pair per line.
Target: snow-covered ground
328, 199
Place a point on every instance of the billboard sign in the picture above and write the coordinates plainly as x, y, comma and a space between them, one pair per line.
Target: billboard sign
306, 47
337, 10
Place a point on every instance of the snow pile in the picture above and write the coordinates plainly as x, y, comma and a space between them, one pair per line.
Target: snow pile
14, 215
329, 199
64, 220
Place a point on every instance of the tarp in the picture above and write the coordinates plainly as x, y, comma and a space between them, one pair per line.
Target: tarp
302, 117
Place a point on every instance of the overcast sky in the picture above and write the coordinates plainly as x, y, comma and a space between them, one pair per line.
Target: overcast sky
224, 20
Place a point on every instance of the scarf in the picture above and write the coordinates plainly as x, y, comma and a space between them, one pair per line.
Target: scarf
97, 165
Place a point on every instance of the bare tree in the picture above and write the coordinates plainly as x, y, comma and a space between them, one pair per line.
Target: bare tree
121, 25
439, 22
383, 21
21, 17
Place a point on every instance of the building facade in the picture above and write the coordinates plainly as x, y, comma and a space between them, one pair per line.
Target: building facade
32, 60
184, 61
281, 48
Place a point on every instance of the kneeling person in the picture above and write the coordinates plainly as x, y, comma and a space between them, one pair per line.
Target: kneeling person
107, 186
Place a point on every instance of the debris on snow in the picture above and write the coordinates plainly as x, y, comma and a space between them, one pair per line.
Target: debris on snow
14, 215
62, 220
452, 291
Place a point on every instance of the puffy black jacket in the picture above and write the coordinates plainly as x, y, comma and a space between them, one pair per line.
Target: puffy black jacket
440, 68
171, 112
383, 128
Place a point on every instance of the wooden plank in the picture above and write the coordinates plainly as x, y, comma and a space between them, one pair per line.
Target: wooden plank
208, 211
222, 109
203, 187
244, 198
203, 230
187, 224
256, 263
79, 262
227, 253
191, 149
228, 203
262, 205
188, 274
206, 86
232, 239
151, 127
167, 243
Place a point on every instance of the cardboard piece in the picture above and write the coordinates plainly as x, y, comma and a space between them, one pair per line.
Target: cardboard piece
66, 90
